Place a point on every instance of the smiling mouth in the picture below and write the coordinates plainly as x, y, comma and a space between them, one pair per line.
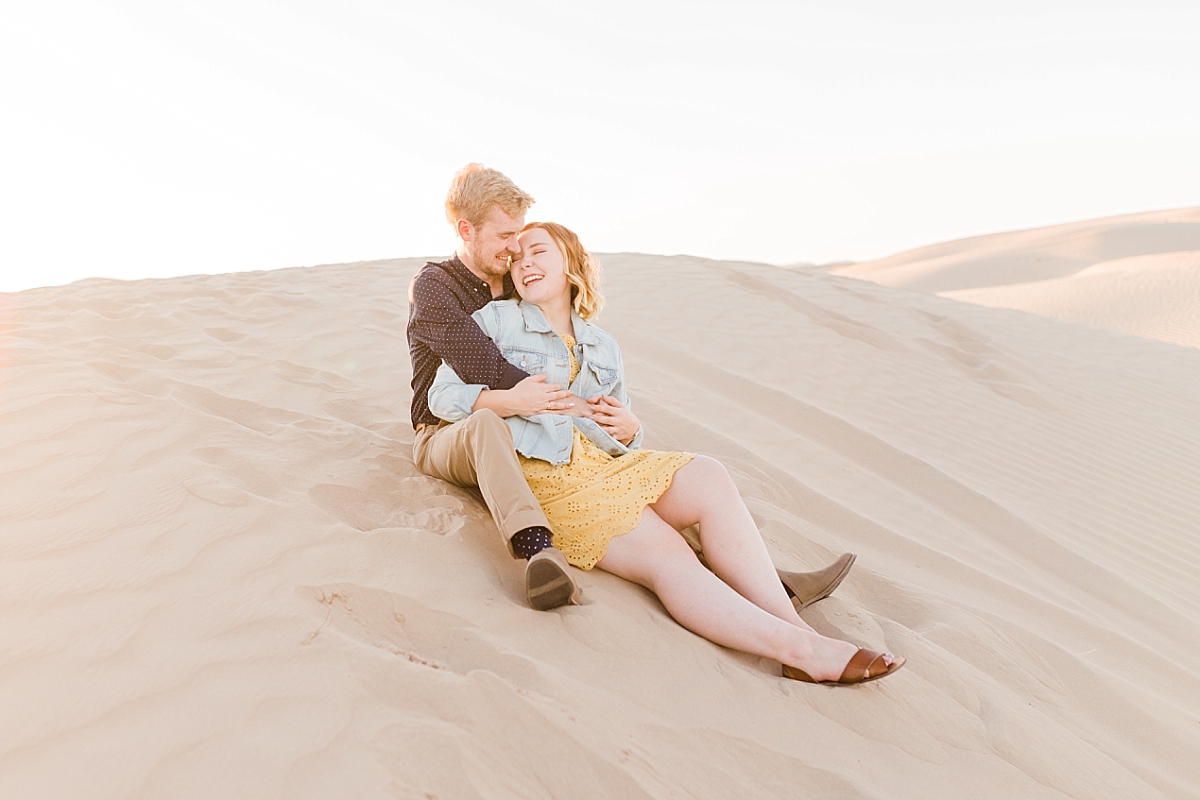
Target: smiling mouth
530, 279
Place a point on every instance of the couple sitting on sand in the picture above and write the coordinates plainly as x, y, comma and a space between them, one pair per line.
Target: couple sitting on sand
561, 468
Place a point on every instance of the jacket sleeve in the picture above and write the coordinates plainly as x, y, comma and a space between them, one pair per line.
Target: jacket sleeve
439, 322
451, 399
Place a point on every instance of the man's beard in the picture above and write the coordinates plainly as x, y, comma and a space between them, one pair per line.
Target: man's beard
487, 265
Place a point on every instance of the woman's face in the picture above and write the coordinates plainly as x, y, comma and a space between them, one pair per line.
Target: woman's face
540, 275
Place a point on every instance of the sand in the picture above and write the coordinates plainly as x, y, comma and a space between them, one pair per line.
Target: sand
222, 576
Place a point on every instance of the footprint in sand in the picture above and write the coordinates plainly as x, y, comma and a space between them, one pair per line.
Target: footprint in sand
981, 362
408, 629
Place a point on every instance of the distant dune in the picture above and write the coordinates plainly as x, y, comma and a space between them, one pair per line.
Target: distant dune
1136, 274
222, 576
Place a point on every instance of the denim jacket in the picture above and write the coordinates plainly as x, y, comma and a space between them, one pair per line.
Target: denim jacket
521, 332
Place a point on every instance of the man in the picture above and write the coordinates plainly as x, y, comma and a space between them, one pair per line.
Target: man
487, 211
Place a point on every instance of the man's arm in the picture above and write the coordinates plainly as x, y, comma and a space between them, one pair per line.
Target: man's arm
530, 397
440, 323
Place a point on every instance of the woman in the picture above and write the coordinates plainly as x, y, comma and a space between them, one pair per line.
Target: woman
615, 506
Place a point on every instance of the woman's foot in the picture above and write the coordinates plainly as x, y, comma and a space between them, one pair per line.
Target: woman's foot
865, 665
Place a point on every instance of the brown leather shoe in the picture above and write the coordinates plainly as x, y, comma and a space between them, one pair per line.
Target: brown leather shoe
863, 667
806, 588
548, 581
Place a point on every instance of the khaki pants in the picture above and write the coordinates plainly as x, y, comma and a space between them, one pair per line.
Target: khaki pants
478, 451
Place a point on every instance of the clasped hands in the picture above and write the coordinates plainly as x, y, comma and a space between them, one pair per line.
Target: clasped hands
534, 396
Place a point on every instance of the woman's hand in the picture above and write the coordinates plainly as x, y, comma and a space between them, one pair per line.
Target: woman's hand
614, 419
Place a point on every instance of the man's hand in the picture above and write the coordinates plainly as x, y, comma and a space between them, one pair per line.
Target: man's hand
615, 419
530, 397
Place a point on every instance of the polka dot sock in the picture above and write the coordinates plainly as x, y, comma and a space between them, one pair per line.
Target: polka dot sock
529, 542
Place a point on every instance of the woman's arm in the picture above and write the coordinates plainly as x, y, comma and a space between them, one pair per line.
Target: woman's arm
451, 399
612, 413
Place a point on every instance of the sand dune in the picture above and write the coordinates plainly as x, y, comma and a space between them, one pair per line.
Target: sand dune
1156, 296
222, 576
1137, 274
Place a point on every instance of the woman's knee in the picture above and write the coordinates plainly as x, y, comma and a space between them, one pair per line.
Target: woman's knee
710, 474
711, 467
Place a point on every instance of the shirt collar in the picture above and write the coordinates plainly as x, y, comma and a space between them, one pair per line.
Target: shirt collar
471, 279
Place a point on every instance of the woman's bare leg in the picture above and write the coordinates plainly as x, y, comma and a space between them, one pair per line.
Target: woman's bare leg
702, 493
654, 555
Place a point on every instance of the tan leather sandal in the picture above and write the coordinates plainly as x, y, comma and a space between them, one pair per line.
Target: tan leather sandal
865, 665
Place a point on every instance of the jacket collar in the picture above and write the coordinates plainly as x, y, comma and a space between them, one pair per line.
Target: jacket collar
535, 321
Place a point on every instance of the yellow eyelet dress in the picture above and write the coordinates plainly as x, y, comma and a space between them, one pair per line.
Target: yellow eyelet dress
595, 496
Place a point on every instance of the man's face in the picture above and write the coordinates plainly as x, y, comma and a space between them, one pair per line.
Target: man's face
494, 240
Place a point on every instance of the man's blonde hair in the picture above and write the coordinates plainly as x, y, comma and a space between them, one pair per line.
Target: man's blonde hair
583, 271
475, 189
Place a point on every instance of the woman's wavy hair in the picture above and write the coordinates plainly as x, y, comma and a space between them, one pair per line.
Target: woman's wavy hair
583, 271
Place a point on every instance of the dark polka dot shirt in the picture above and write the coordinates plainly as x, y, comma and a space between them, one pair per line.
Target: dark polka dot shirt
441, 299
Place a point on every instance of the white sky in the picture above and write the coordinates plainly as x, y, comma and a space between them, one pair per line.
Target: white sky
169, 137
